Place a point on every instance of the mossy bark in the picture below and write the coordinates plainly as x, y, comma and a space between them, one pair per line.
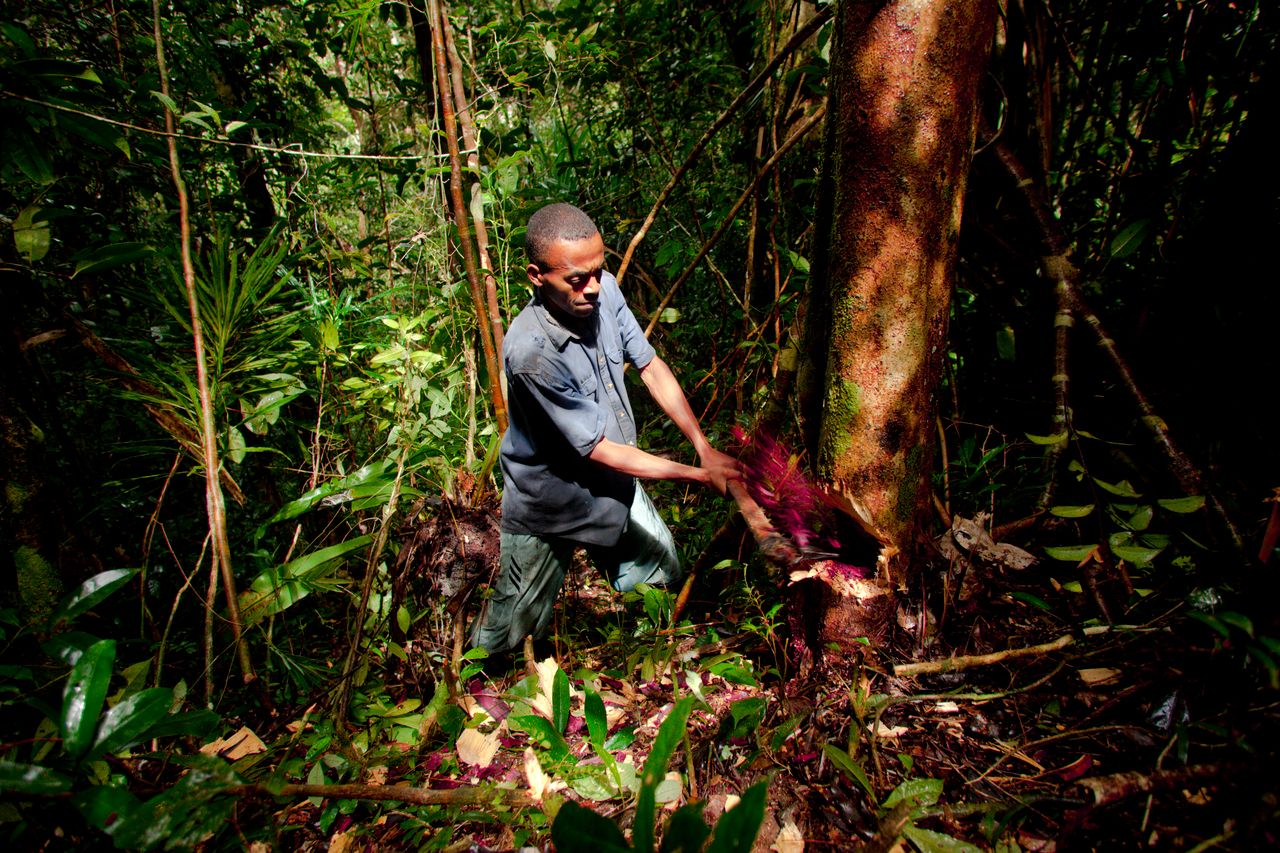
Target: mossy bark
905, 92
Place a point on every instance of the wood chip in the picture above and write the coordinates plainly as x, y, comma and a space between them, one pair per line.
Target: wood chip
789, 840
1098, 675
477, 748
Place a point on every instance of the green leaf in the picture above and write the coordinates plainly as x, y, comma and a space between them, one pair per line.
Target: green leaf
1059, 438
736, 830
1034, 600
1141, 517
32, 779
541, 732
560, 700
89, 594
200, 723
1122, 548
31, 235
686, 831
924, 792
1211, 622
1069, 553
655, 770
1006, 349
1238, 620
281, 587
1130, 238
126, 723
184, 817
103, 805
1122, 489
929, 841
1071, 511
30, 157
849, 767
167, 102
591, 783
578, 829
597, 721
84, 694
1181, 505
109, 257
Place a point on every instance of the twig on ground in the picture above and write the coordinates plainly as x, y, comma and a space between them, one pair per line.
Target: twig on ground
468, 796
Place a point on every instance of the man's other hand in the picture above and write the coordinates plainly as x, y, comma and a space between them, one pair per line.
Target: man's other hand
721, 468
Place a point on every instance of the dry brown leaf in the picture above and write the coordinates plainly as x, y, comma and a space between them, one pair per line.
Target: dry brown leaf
790, 839
1098, 675
236, 746
477, 748
376, 775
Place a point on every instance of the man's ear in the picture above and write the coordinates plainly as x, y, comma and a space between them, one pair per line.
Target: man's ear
533, 272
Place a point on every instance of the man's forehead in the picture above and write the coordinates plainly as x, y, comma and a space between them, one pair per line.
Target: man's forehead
586, 254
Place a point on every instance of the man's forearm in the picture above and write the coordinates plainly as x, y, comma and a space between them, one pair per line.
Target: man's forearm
637, 463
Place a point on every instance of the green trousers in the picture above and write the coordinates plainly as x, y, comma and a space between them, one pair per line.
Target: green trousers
533, 569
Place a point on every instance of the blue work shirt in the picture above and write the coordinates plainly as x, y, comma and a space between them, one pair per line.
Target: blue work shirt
565, 394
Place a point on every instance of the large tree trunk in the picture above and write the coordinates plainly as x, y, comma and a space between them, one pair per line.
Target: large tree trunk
902, 125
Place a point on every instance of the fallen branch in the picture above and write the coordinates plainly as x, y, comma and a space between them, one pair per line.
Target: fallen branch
952, 664
1120, 786
468, 796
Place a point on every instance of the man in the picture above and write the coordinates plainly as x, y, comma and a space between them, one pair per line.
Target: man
569, 456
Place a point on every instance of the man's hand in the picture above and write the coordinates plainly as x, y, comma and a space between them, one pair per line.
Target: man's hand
721, 468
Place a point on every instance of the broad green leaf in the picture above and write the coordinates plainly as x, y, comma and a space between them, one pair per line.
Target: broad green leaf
686, 831
1181, 505
167, 102
281, 587
597, 721
560, 700
925, 792
90, 593
1070, 553
591, 783
103, 805
30, 157
200, 722
1006, 347
1059, 438
655, 770
185, 816
736, 830
1122, 489
109, 257
233, 126
1122, 547
235, 445
126, 723
542, 733
1141, 517
1239, 620
31, 235
84, 694
32, 779
930, 841
578, 829
1130, 238
1071, 511
1212, 622
68, 646
849, 767
669, 315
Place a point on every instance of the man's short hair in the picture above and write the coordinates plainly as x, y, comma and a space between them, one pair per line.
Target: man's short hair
559, 221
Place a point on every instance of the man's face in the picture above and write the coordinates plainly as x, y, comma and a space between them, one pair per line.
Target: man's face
569, 277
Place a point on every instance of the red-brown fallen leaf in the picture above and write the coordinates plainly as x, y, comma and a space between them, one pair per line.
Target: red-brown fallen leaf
1075, 769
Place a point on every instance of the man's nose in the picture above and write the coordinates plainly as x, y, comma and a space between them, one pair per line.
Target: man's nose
592, 287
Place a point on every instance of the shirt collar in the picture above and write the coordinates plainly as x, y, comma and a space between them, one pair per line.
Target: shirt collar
557, 333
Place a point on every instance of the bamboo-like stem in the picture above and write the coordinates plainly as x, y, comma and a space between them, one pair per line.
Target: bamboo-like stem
476, 208
1058, 265
208, 430
460, 216
801, 35
808, 125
